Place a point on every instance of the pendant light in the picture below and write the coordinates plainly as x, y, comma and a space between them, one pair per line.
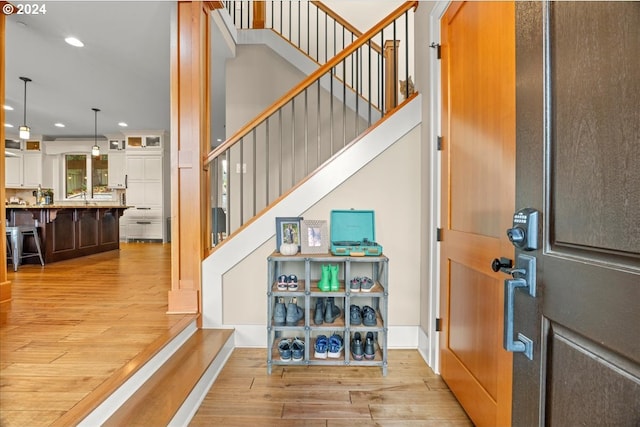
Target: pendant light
25, 132
95, 150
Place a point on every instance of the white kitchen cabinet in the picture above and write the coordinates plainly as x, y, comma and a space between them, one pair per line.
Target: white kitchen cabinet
13, 171
144, 167
153, 142
24, 170
117, 169
146, 196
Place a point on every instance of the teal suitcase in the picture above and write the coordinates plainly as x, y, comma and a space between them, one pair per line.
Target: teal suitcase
353, 233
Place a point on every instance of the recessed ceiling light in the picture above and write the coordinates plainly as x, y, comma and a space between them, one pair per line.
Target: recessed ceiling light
123, 124
8, 125
74, 42
8, 107
59, 125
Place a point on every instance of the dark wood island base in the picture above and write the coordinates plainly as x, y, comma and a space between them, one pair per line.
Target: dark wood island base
69, 231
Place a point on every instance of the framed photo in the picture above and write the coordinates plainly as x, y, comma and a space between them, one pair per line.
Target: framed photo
314, 235
287, 231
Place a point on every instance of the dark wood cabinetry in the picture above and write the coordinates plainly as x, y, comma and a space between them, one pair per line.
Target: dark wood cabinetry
70, 231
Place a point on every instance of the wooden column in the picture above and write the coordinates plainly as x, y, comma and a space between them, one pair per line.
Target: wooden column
391, 74
5, 285
189, 136
259, 14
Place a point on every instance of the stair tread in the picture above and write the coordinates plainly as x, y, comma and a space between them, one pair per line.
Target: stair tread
160, 397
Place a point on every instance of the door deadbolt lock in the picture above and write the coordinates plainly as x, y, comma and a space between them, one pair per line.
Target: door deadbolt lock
524, 232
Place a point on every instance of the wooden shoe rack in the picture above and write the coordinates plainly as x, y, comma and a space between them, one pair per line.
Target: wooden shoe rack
308, 270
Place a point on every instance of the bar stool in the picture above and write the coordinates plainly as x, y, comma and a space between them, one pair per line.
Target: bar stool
16, 236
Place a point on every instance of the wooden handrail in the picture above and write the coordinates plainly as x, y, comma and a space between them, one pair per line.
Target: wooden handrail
308, 177
308, 81
340, 20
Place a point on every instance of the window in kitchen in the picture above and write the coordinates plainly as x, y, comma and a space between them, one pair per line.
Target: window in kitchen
87, 177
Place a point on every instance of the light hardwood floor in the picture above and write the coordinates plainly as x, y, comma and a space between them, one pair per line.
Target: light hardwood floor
410, 395
76, 328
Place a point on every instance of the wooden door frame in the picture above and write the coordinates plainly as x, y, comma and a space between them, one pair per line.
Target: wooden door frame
435, 117
5, 285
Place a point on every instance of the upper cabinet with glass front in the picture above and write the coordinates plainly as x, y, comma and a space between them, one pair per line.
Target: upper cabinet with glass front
149, 142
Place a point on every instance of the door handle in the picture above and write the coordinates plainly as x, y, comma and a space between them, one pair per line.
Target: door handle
522, 276
522, 344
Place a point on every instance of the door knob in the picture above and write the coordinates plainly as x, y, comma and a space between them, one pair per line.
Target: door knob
499, 264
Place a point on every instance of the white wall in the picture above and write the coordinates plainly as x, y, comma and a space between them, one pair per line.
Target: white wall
389, 185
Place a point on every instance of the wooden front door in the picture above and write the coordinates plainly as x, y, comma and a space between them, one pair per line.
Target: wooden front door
478, 185
578, 163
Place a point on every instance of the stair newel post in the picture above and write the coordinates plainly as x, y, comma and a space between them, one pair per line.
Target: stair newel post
391, 74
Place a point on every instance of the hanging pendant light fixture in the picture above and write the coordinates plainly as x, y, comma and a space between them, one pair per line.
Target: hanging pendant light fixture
25, 132
95, 150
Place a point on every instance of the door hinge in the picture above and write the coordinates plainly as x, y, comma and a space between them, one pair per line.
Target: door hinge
439, 143
438, 324
436, 46
438, 234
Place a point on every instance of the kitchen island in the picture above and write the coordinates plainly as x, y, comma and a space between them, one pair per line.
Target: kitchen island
69, 230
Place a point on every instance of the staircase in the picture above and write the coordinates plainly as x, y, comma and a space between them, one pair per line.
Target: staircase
318, 118
345, 114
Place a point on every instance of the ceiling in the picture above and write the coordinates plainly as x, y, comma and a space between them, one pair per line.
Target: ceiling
123, 68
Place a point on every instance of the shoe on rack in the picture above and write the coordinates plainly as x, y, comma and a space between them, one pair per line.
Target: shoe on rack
284, 347
292, 282
279, 312
297, 350
369, 347
283, 283
331, 311
321, 347
336, 344
366, 284
318, 317
295, 313
334, 284
354, 284
355, 315
369, 316
357, 350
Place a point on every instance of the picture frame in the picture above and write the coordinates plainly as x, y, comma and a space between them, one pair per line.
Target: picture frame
314, 237
287, 231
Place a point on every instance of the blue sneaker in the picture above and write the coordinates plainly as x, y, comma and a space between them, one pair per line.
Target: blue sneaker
335, 346
297, 350
322, 347
284, 347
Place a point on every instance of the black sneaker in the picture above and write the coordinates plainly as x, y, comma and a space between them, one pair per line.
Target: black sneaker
369, 316
369, 347
357, 350
355, 315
